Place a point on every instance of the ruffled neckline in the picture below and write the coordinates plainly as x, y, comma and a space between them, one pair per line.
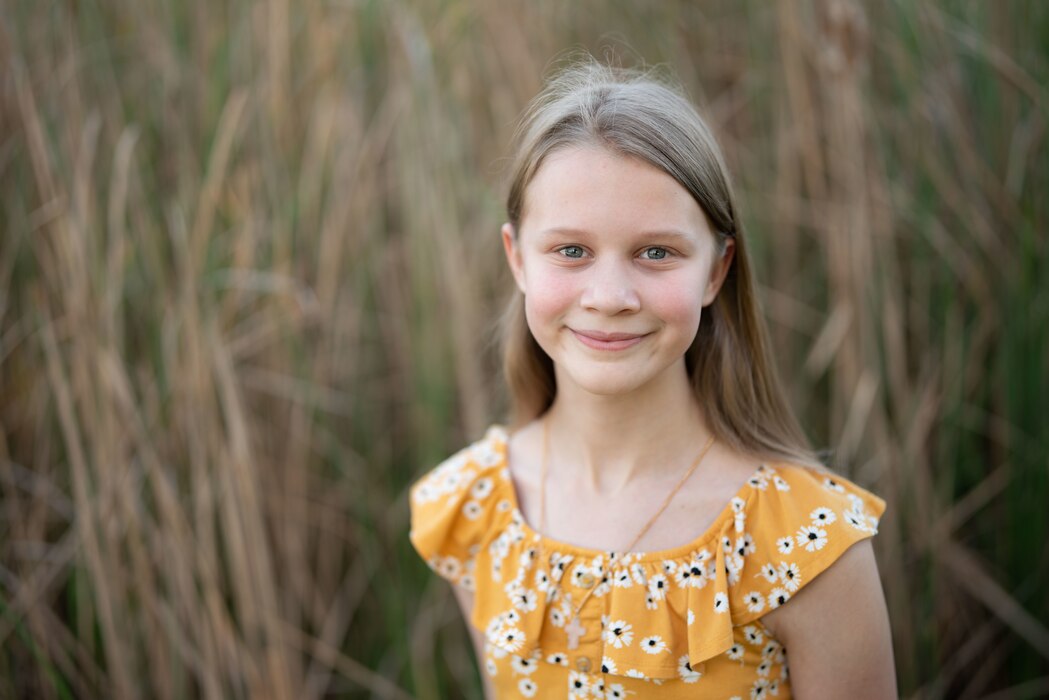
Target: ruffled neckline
739, 502
768, 541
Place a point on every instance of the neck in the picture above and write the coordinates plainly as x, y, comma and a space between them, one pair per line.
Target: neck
611, 441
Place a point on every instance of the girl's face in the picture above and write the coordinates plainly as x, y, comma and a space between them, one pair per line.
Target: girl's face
616, 262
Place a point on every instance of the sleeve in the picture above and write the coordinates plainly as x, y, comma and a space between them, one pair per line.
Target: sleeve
802, 521
452, 512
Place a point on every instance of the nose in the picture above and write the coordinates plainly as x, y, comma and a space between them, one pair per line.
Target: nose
610, 290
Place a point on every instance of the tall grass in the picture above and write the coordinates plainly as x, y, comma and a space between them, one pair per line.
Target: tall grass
249, 269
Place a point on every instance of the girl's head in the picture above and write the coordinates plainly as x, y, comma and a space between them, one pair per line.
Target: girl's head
607, 131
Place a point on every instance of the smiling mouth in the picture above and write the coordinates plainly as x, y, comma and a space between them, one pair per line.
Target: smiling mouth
608, 341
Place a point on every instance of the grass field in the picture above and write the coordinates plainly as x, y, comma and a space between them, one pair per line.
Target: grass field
249, 274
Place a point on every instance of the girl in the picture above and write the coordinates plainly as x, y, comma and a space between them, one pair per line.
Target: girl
654, 525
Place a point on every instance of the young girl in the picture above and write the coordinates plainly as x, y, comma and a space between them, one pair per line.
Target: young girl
654, 525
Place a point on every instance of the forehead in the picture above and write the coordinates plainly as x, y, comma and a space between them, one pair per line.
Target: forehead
591, 188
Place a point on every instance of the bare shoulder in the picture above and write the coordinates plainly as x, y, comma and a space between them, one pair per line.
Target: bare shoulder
836, 631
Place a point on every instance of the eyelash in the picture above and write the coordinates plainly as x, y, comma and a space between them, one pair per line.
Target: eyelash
667, 252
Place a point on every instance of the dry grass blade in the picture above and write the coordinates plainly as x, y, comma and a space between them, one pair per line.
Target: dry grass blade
978, 583
351, 669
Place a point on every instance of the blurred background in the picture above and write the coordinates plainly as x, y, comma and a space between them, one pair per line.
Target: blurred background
249, 275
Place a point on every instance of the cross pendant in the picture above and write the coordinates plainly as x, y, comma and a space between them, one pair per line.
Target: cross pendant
574, 630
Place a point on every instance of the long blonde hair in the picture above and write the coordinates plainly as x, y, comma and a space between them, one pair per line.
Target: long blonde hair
640, 115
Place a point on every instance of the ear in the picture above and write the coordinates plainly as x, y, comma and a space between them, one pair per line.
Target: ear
719, 271
513, 254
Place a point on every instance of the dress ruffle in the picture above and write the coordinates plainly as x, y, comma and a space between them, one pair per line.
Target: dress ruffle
467, 525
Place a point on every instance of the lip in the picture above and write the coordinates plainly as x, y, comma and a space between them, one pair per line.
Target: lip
608, 341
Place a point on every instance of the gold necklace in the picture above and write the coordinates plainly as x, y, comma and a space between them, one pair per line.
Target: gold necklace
574, 628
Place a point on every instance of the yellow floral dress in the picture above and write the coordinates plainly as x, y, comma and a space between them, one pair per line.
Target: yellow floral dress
682, 622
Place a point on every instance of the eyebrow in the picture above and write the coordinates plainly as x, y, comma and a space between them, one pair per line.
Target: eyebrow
659, 233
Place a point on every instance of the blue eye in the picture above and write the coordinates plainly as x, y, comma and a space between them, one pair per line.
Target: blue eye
655, 253
571, 251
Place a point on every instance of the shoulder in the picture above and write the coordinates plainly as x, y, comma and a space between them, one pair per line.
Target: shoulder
457, 503
837, 630
449, 477
796, 521
820, 579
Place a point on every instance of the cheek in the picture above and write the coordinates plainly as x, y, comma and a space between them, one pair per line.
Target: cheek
676, 305
549, 296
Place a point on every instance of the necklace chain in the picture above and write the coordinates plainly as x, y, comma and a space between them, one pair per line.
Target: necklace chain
637, 538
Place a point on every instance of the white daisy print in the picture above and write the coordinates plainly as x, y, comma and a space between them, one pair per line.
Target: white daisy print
753, 635
833, 485
755, 601
764, 667
485, 454
759, 482
790, 575
653, 645
720, 603
733, 568
527, 687
528, 557
657, 587
773, 687
619, 634
577, 684
634, 673
425, 493
449, 567
616, 691
623, 579
726, 544
482, 488
781, 484
822, 516
693, 575
773, 649
557, 659
557, 618
525, 600
735, 652
777, 597
856, 520
769, 572
512, 616
691, 617
785, 545
523, 666
638, 572
558, 564
740, 517
670, 568
490, 667
684, 669
472, 510
604, 586
467, 582
511, 639
582, 577
760, 689
650, 602
608, 666
494, 625
542, 581
745, 545
503, 506
811, 537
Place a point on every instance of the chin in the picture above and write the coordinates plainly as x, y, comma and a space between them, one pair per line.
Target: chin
605, 383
